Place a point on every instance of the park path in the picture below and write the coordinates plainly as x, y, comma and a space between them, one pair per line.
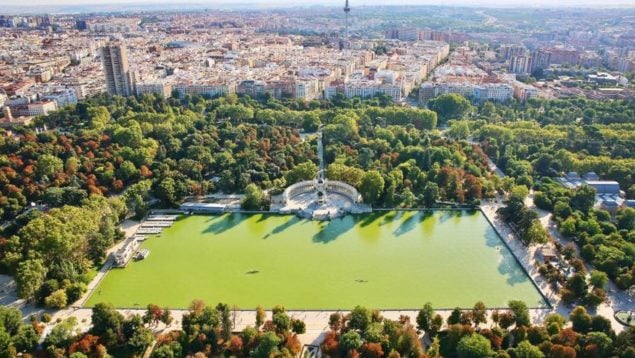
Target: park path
129, 227
616, 299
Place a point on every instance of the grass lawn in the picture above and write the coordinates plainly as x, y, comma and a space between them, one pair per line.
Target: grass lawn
387, 260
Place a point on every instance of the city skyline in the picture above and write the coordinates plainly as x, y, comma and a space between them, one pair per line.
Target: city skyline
289, 3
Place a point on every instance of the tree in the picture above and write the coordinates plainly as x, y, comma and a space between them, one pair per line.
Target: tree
267, 344
127, 171
458, 130
598, 279
61, 335
57, 299
450, 106
583, 199
26, 339
311, 122
554, 322
409, 344
479, 313
166, 191
436, 324
626, 219
153, 314
282, 321
577, 285
303, 171
536, 233
29, 277
599, 342
346, 174
106, 319
260, 316
526, 350
298, 326
580, 320
506, 319
142, 338
520, 311
360, 318
372, 186
48, 165
455, 316
350, 341
424, 317
434, 350
560, 351
474, 346
254, 198
5, 343
372, 350
335, 321
430, 194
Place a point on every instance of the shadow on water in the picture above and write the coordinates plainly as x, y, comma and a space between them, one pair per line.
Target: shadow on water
282, 227
452, 214
508, 266
333, 229
227, 222
408, 224
367, 219
390, 217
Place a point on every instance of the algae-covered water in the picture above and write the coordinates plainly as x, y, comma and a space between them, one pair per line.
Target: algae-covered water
384, 260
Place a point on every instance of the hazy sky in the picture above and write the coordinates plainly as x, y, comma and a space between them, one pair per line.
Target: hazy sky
272, 3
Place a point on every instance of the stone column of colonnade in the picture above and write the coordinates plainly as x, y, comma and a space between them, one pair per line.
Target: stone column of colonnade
320, 149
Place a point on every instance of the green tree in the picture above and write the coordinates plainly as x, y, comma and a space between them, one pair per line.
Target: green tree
474, 346
455, 316
260, 316
458, 130
583, 199
580, 320
479, 313
372, 186
267, 344
430, 194
57, 299
598, 279
350, 341
254, 198
520, 311
5, 343
535, 234
141, 339
48, 165
106, 320
424, 317
127, 171
360, 318
526, 350
298, 326
26, 339
450, 106
626, 219
29, 277
282, 321
62, 334
302, 171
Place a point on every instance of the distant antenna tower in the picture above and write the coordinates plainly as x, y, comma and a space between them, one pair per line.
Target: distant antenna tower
347, 9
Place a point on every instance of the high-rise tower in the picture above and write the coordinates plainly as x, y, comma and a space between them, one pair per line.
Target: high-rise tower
347, 9
119, 80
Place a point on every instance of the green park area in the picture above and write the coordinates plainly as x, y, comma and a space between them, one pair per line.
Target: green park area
386, 260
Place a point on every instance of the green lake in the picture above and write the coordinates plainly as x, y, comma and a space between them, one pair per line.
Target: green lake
383, 260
